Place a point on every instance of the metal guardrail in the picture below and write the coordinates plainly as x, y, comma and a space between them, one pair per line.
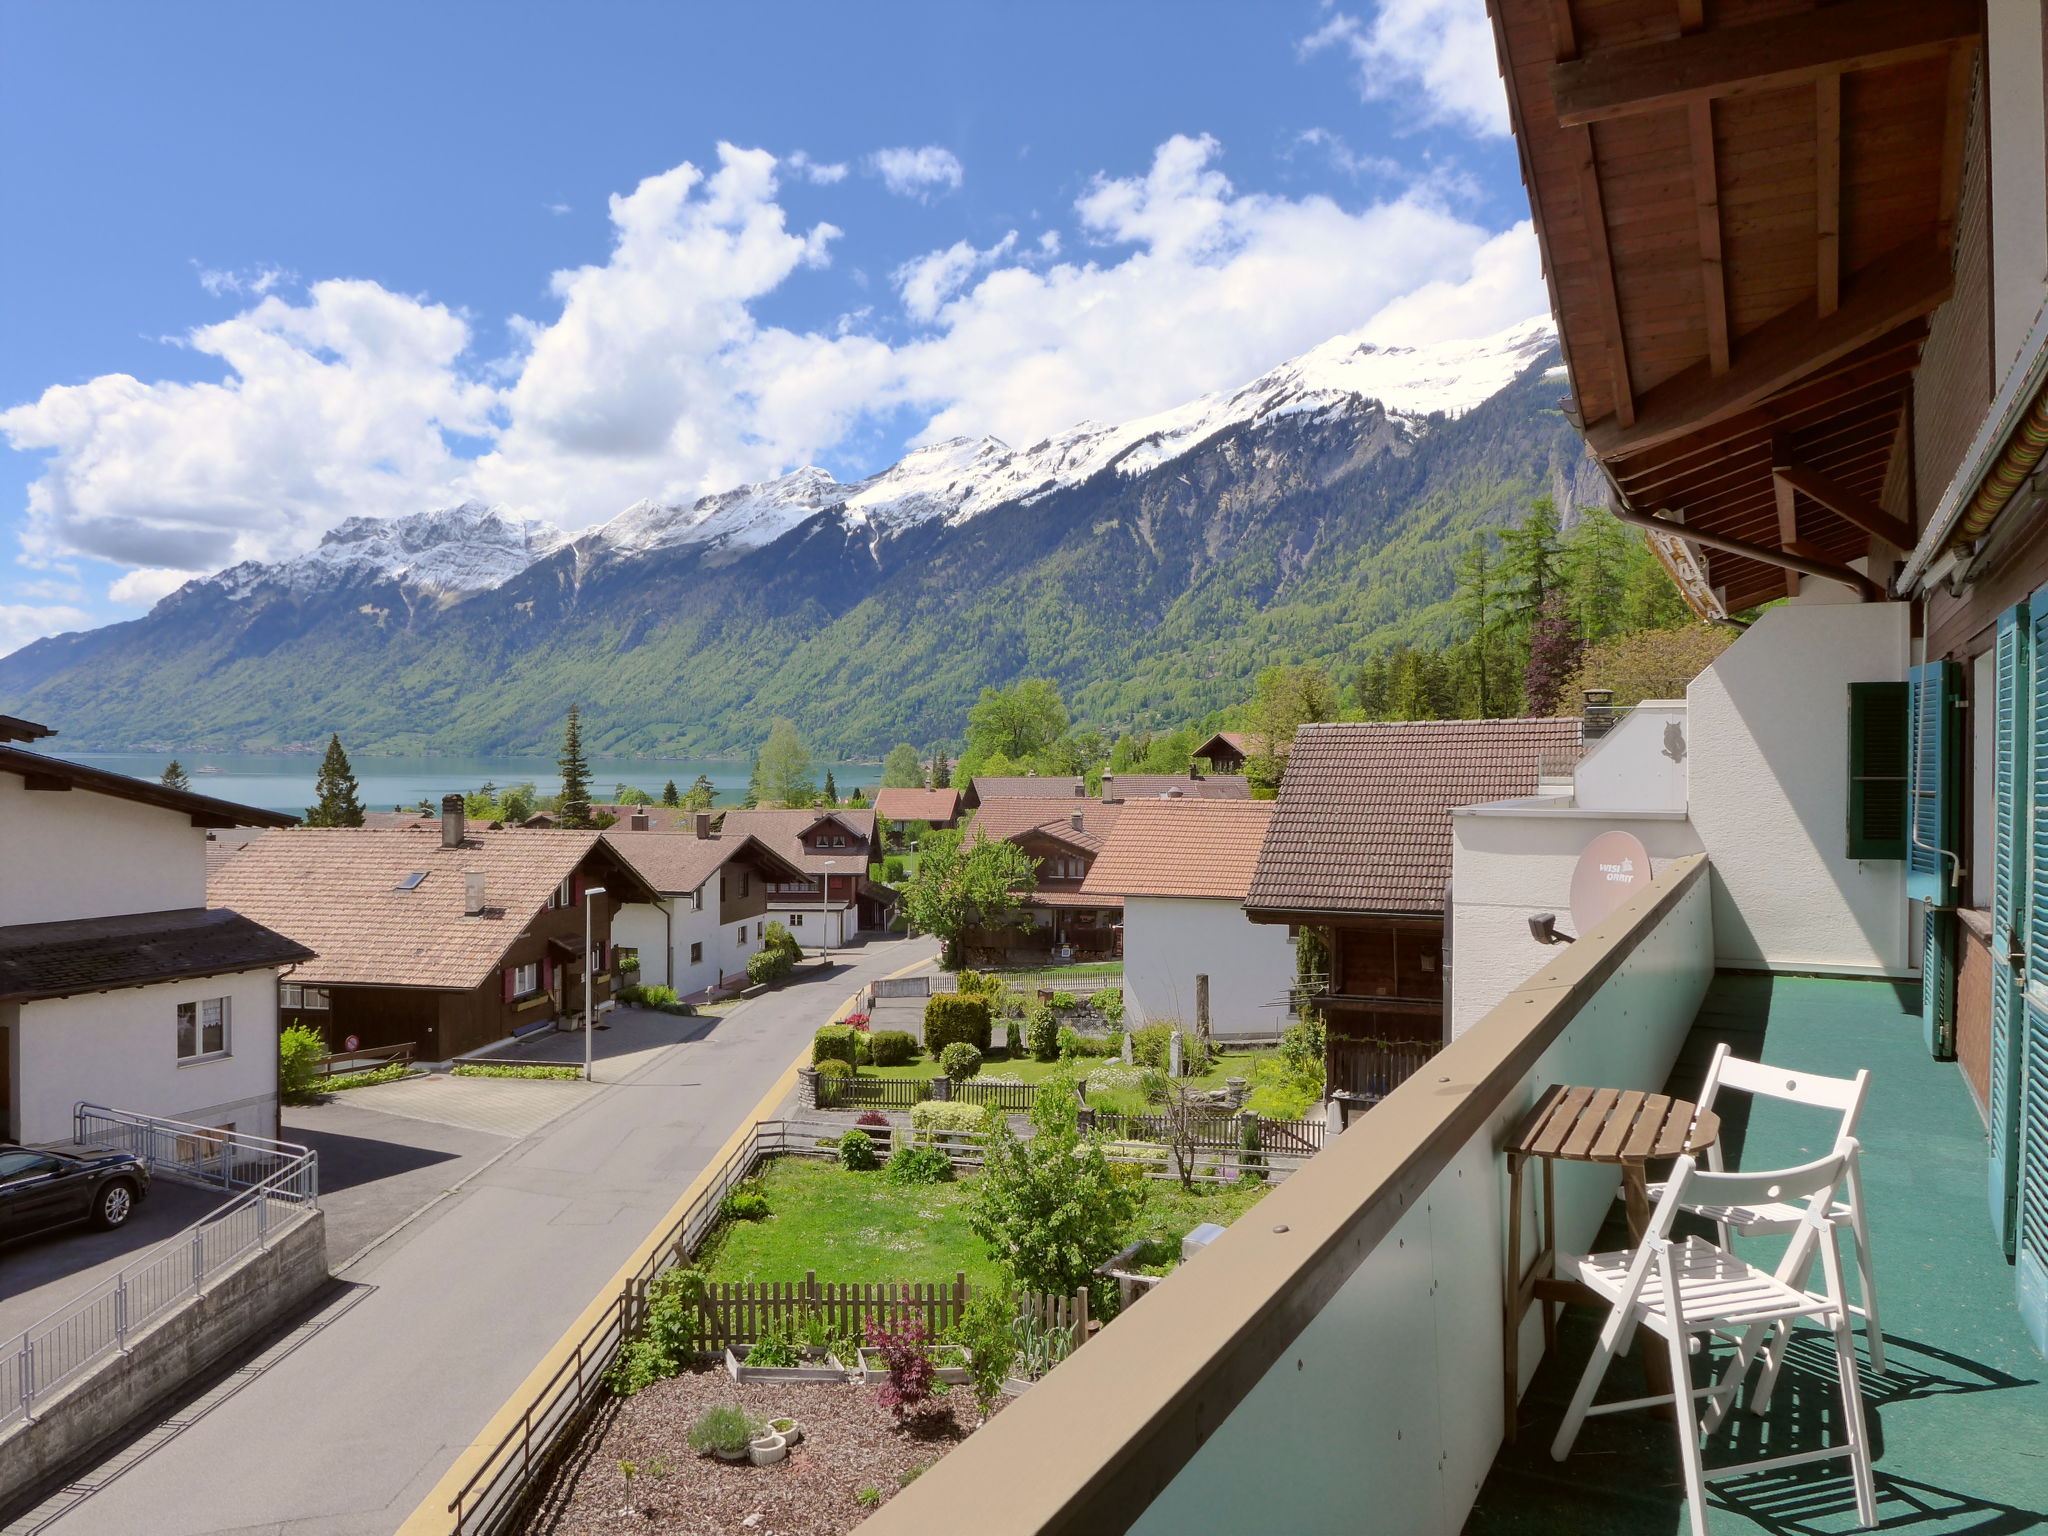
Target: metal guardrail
279, 1184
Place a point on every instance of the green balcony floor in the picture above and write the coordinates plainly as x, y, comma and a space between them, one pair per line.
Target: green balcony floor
1960, 1420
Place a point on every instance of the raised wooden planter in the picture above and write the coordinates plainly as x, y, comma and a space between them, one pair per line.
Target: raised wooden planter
820, 1365
874, 1375
1016, 1386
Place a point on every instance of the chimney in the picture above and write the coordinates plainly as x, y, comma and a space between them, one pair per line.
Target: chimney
473, 893
1080, 786
639, 822
1194, 770
1076, 818
453, 822
1108, 787
703, 823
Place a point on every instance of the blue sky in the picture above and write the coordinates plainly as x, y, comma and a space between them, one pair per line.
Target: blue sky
274, 266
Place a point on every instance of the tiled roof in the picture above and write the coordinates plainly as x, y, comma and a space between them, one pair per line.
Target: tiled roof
1363, 820
1001, 819
14, 728
402, 821
101, 954
784, 831
1128, 786
336, 890
676, 862
1203, 848
1072, 899
61, 772
917, 804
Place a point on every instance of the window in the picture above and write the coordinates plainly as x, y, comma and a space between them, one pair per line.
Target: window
696, 954
526, 979
1878, 745
697, 899
838, 842
796, 919
412, 881
823, 841
292, 995
625, 957
721, 885
746, 883
743, 933
203, 1029
26, 1165
565, 894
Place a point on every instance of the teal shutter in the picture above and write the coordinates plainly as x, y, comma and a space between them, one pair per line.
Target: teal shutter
1931, 843
2011, 806
1879, 745
2029, 1048
1938, 983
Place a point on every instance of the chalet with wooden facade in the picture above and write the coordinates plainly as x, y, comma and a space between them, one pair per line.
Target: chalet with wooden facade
1062, 838
831, 898
1192, 785
1225, 752
448, 943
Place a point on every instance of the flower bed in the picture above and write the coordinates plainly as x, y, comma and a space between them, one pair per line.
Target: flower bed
819, 1365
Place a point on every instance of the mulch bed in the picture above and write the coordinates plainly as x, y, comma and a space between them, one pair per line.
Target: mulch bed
850, 1443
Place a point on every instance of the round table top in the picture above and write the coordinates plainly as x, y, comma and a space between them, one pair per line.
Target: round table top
1613, 1125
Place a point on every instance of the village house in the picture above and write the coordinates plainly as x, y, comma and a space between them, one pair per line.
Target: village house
1180, 870
1062, 838
938, 809
831, 899
712, 910
118, 985
1192, 785
448, 944
1225, 752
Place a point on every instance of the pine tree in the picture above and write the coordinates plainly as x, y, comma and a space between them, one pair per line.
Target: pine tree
669, 795
831, 789
339, 803
575, 799
174, 776
1479, 606
942, 771
1531, 558
702, 795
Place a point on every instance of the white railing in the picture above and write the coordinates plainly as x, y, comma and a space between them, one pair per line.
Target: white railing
279, 1184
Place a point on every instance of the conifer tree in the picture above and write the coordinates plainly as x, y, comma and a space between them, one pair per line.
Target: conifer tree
702, 795
669, 795
174, 776
831, 789
942, 771
575, 800
340, 804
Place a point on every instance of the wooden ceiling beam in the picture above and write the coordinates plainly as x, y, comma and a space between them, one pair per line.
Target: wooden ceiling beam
1903, 285
1706, 188
1593, 214
1788, 531
1827, 192
1775, 55
1955, 130
1849, 505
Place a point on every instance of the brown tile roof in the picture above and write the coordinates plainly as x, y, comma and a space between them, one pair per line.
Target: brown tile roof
1363, 820
58, 772
917, 804
1072, 899
677, 862
102, 954
402, 821
336, 890
1001, 819
784, 832
1203, 848
1128, 786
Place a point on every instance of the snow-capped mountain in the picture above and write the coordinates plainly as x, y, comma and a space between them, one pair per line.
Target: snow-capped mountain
469, 548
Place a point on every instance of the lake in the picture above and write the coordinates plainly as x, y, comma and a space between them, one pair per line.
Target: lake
284, 781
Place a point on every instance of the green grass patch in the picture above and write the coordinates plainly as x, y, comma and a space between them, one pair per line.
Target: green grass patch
998, 1064
493, 1069
390, 1074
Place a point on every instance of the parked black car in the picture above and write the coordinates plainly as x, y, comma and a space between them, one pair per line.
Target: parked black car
41, 1189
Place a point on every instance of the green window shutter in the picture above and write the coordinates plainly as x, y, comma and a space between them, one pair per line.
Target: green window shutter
2011, 800
2029, 1049
1932, 821
1938, 983
1878, 746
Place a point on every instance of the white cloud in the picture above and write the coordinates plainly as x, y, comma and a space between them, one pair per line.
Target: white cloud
558, 208
22, 622
1346, 160
655, 376
143, 587
1442, 49
255, 281
918, 172
817, 172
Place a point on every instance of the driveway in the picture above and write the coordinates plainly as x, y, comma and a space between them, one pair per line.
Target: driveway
42, 1273
344, 1424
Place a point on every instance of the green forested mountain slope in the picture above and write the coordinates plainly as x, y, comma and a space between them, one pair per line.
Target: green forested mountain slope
1150, 598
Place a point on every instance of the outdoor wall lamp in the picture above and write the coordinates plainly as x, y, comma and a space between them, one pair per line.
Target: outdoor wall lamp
1543, 929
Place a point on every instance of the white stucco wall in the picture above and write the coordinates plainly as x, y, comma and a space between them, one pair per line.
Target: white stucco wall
2019, 197
641, 926
77, 854
1513, 859
818, 929
1769, 791
121, 1049
1639, 765
1169, 941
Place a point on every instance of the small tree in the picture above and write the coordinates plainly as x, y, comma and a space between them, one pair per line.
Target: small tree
901, 769
702, 794
669, 795
782, 773
962, 885
942, 771
174, 776
1554, 652
340, 804
575, 798
831, 789
300, 1050
911, 1372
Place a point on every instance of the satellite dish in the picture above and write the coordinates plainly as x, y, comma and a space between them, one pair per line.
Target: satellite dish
1613, 868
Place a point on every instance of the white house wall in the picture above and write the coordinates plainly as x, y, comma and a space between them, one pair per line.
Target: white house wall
816, 929
73, 853
1769, 792
1639, 765
120, 1049
641, 926
1168, 941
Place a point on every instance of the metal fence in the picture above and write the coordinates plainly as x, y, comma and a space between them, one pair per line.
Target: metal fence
279, 1186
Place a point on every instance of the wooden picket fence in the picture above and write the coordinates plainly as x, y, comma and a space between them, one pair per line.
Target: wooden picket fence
870, 1092
740, 1312
1012, 1098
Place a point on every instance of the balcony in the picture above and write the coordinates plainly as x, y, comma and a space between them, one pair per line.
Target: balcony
1333, 1363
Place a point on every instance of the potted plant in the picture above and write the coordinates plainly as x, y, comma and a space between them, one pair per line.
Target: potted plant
726, 1433
789, 1429
767, 1448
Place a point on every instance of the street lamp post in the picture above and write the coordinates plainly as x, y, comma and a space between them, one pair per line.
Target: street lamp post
589, 977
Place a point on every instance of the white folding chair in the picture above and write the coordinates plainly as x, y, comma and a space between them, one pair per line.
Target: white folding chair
1844, 1096
1682, 1291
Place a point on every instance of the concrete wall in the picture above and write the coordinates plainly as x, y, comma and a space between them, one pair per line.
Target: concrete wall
1513, 859
121, 1049
2019, 197
77, 854
1168, 941
1386, 1412
1769, 788
263, 1290
1640, 765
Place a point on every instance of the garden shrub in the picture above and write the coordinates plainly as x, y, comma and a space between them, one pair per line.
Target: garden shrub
960, 1061
979, 984
835, 1042
947, 1115
664, 1343
777, 939
832, 1066
370, 1079
874, 1117
892, 1047
504, 1069
300, 1050
744, 1205
989, 1330
1061, 1002
857, 1152
769, 965
723, 1430
910, 1164
948, 1017
1151, 1046
1042, 1032
893, 868
912, 1375
777, 1345
1109, 1002
1013, 1039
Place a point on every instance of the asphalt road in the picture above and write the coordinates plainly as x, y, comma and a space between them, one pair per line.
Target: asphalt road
346, 1422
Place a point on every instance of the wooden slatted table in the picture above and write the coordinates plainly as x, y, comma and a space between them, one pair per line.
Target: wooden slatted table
1587, 1125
